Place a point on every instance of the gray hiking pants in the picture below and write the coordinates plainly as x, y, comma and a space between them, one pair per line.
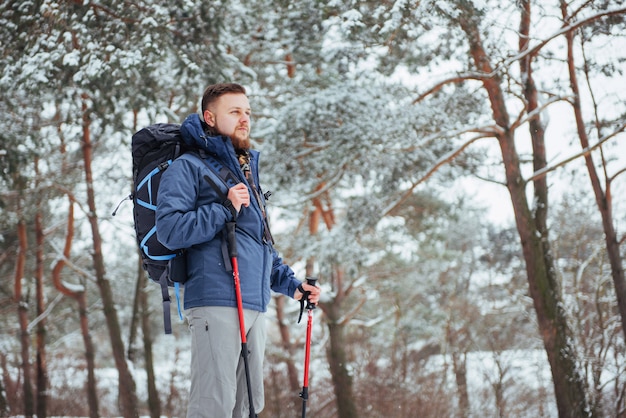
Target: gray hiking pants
218, 380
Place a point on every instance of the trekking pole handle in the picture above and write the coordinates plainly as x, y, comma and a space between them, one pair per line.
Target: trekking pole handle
310, 281
232, 239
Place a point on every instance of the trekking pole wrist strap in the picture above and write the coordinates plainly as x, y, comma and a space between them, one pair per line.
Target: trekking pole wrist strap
228, 204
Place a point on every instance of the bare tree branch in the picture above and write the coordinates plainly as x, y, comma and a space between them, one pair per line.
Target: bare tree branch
540, 173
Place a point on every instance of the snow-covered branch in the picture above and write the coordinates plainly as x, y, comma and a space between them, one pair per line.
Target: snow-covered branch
441, 162
45, 313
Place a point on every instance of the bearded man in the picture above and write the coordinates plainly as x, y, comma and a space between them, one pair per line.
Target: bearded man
192, 215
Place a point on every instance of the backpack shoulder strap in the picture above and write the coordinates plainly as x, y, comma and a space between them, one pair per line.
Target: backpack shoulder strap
221, 178
219, 168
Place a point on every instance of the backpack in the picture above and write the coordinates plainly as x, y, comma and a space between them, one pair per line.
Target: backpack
154, 148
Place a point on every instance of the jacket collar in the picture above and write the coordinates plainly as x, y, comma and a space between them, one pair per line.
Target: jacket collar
194, 135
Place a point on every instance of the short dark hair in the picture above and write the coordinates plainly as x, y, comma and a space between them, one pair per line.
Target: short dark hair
214, 91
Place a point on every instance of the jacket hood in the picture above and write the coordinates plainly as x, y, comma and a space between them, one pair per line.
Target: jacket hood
194, 135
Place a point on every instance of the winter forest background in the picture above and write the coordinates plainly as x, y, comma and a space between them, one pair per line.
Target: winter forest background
453, 172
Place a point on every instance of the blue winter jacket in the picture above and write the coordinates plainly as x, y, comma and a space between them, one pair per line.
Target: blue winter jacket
190, 214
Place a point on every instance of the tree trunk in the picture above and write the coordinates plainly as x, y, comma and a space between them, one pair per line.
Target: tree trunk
22, 314
544, 290
135, 318
90, 355
543, 285
127, 388
154, 403
337, 358
603, 200
81, 299
459, 365
338, 361
285, 336
42, 367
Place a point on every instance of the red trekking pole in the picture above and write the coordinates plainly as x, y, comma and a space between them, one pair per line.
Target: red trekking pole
232, 253
307, 352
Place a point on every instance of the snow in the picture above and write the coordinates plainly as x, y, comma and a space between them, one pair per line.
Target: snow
71, 59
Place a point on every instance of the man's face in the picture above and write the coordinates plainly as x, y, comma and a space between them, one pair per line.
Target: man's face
229, 115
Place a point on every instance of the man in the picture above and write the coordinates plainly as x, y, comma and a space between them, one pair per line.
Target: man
190, 214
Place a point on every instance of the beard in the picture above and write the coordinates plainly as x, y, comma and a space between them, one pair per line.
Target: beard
240, 140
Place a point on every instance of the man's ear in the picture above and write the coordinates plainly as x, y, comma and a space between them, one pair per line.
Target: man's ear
209, 118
